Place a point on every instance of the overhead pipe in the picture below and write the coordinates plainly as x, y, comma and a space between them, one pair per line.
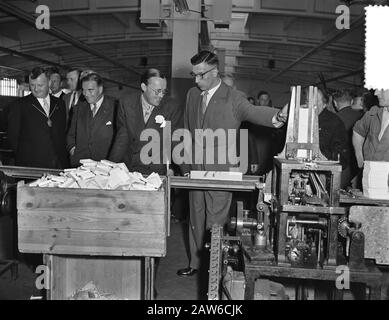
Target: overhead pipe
58, 65
357, 23
53, 31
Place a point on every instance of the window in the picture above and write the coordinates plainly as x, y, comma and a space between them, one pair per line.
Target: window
9, 87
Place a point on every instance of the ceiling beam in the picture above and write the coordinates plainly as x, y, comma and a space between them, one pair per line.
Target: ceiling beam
53, 31
246, 37
120, 17
82, 23
54, 64
357, 23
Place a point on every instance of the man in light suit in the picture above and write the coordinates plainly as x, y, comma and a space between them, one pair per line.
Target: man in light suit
138, 113
93, 126
36, 126
216, 106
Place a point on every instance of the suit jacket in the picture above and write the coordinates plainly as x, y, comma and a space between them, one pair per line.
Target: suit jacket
35, 143
70, 111
225, 111
128, 145
92, 136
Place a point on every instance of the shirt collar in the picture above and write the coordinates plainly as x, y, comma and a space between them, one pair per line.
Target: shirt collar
146, 105
41, 100
99, 102
212, 91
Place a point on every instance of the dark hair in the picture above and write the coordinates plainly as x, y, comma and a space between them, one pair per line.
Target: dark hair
150, 73
342, 95
251, 98
36, 72
262, 93
52, 70
205, 56
93, 77
79, 75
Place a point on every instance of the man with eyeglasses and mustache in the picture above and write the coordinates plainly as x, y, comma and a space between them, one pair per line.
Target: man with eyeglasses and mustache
137, 113
214, 105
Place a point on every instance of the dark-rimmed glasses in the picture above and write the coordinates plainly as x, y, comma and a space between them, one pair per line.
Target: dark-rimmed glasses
201, 75
159, 91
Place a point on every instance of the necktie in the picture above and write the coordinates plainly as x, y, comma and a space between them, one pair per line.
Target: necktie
147, 114
204, 102
94, 109
46, 107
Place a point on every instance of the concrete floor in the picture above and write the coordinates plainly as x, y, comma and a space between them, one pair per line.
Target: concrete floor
168, 285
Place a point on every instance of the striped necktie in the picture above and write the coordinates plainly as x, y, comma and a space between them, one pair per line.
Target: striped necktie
46, 107
204, 102
94, 109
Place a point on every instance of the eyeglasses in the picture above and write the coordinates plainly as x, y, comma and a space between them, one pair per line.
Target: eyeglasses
201, 75
159, 91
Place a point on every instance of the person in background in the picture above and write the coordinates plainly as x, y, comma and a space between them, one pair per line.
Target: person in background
71, 99
371, 134
55, 82
358, 101
93, 126
251, 100
333, 141
343, 104
260, 141
36, 126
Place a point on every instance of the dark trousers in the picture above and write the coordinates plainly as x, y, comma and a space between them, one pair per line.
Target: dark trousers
206, 208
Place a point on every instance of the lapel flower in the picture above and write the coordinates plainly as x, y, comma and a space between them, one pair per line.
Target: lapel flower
160, 119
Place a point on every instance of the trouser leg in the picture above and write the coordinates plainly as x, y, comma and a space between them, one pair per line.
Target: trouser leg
196, 226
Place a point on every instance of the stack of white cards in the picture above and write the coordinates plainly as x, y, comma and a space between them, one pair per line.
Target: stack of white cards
102, 174
375, 180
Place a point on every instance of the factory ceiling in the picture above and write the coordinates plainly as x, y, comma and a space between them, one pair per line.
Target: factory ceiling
278, 41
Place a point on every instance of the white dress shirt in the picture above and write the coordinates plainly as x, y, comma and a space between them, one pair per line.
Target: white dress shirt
45, 108
98, 104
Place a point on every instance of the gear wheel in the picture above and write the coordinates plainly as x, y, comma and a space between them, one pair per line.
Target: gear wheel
342, 226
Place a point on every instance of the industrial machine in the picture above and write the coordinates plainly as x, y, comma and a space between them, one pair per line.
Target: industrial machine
298, 235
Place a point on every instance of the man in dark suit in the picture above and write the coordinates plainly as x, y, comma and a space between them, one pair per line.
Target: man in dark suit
93, 126
36, 126
55, 83
137, 114
214, 105
71, 99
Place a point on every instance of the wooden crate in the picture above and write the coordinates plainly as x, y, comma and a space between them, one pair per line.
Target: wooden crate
125, 277
92, 222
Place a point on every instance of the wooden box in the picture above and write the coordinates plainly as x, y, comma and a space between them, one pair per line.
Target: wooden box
92, 222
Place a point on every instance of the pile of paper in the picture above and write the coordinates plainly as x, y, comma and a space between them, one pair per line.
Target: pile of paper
375, 180
102, 174
91, 292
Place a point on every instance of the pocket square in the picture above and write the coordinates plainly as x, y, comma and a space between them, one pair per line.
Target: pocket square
108, 123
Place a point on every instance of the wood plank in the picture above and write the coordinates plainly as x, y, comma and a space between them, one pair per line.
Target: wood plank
92, 243
135, 202
93, 221
121, 277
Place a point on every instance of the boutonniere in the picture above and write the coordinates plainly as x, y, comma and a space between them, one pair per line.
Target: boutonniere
160, 119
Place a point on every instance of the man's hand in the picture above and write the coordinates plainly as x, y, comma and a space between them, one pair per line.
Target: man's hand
282, 115
71, 152
170, 173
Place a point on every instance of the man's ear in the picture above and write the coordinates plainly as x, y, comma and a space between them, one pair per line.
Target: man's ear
143, 87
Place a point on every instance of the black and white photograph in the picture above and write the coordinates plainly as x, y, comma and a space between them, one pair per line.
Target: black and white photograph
194, 150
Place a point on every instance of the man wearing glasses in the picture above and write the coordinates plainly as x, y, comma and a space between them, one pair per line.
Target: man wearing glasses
214, 105
137, 113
